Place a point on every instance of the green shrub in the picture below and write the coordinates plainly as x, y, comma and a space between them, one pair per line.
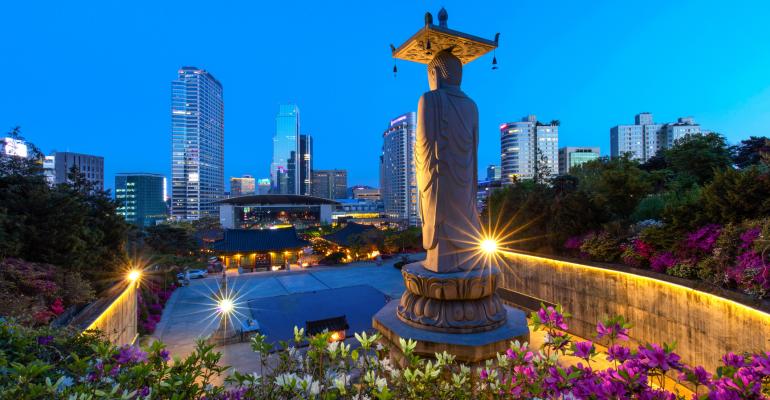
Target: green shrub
683, 270
601, 247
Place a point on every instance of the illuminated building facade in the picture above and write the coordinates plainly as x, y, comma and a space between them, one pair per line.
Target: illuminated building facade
242, 186
305, 165
570, 157
141, 197
527, 145
398, 182
330, 183
13, 147
275, 210
197, 144
58, 165
286, 150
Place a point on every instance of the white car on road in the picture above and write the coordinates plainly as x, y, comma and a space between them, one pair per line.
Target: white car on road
194, 274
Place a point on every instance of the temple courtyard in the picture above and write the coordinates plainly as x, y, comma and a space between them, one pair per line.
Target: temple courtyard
279, 301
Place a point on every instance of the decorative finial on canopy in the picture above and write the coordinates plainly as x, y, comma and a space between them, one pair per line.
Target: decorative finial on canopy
443, 16
428, 18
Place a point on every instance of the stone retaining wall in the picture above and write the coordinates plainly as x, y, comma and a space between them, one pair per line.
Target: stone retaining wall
114, 314
705, 322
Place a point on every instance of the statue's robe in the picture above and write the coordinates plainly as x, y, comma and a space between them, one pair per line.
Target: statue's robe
446, 164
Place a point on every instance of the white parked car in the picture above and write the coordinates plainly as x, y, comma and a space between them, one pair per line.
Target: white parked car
194, 274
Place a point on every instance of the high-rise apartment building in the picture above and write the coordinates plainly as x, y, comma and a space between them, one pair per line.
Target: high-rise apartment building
526, 146
243, 186
645, 138
197, 144
398, 181
330, 183
682, 127
58, 165
305, 165
570, 157
286, 150
141, 198
494, 172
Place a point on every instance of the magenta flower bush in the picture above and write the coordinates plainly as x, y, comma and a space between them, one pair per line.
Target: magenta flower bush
733, 256
46, 364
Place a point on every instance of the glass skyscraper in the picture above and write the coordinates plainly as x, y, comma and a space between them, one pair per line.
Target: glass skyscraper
197, 144
305, 165
286, 150
142, 198
398, 181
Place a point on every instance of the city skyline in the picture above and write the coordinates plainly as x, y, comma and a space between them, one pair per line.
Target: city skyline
581, 80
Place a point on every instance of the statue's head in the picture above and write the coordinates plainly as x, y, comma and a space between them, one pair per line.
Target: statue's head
445, 69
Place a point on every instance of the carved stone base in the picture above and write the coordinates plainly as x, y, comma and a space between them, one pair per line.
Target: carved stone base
468, 348
457, 302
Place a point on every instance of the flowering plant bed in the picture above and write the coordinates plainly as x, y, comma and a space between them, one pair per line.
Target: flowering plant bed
43, 364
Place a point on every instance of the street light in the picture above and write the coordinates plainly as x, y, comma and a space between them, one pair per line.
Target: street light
225, 306
489, 246
134, 275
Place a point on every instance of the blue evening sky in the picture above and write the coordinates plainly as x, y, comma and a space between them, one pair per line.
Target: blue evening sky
94, 77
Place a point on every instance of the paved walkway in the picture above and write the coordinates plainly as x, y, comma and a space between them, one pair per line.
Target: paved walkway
189, 313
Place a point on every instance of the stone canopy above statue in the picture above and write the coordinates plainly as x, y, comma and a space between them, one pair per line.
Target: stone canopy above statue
431, 39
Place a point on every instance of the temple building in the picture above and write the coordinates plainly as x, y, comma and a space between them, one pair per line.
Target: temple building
253, 249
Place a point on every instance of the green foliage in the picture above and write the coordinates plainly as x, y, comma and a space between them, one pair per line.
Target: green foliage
616, 185
407, 240
683, 270
171, 239
698, 156
601, 246
73, 226
735, 195
752, 151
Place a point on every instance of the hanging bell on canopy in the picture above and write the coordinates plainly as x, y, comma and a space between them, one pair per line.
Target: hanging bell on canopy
494, 62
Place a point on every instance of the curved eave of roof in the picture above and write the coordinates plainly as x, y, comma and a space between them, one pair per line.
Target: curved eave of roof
271, 199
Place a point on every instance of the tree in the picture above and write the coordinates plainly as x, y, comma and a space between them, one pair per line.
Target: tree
751, 151
170, 239
737, 195
615, 185
542, 170
696, 157
70, 226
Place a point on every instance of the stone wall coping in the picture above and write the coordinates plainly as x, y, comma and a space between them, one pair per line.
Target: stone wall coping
700, 286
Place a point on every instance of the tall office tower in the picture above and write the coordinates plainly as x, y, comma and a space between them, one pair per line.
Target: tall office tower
305, 165
285, 149
58, 165
570, 157
644, 139
527, 145
141, 197
197, 144
330, 183
494, 172
263, 186
242, 186
398, 181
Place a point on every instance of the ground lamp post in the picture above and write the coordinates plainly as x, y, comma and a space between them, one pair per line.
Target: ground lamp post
450, 302
225, 307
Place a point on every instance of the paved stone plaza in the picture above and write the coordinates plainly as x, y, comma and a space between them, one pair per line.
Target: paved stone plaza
189, 313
